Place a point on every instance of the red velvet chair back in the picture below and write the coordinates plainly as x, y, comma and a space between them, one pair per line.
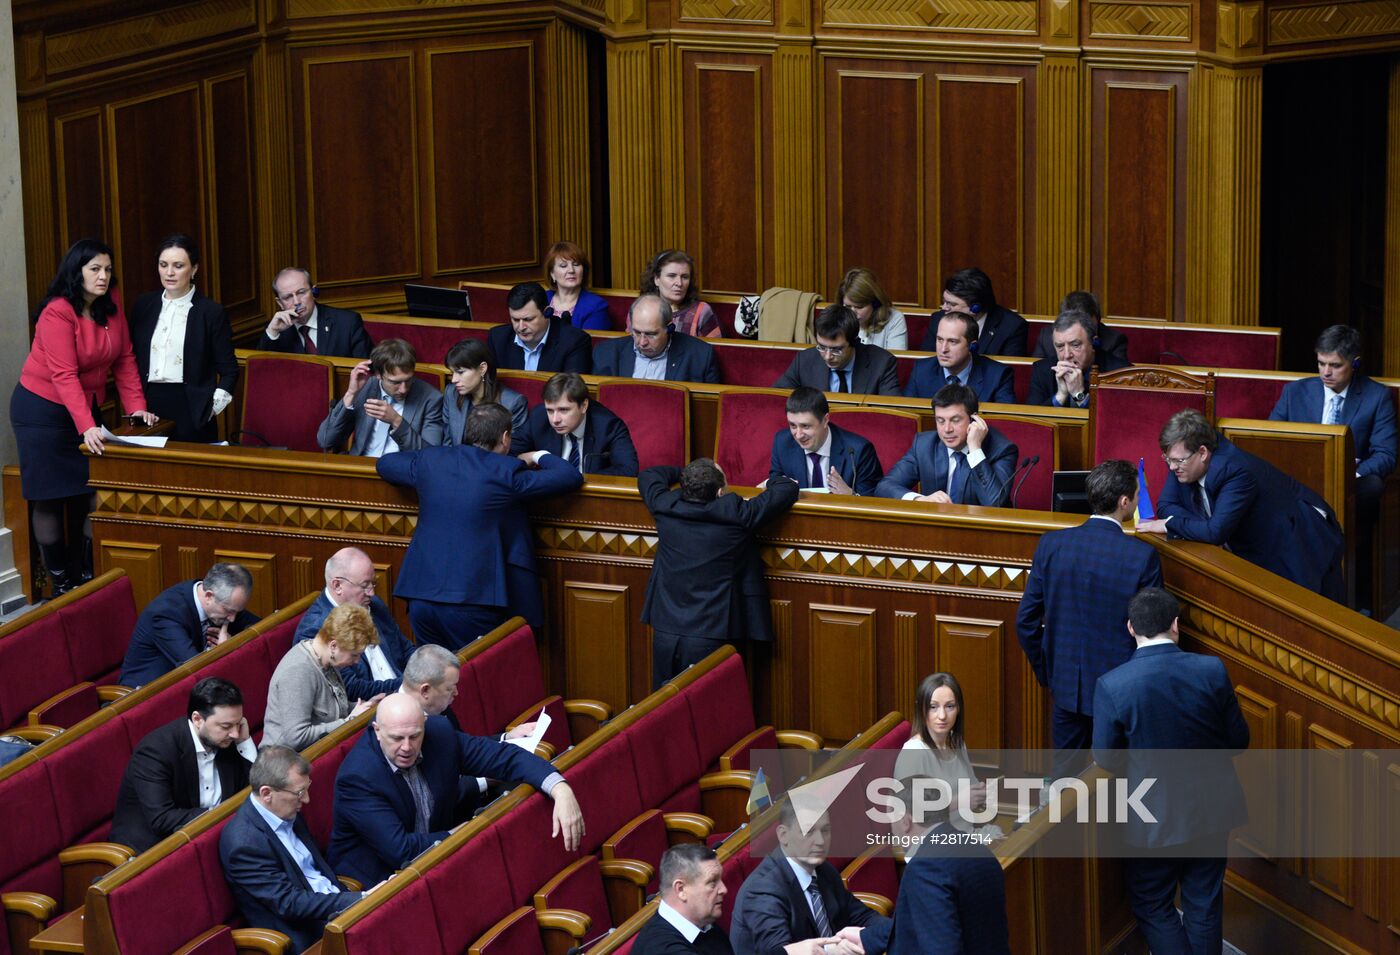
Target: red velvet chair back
918, 324
516, 934
1247, 397
726, 313
657, 413
618, 304
529, 384
488, 301
430, 338
753, 364
285, 398
744, 436
892, 432
1032, 437
1128, 407
433, 379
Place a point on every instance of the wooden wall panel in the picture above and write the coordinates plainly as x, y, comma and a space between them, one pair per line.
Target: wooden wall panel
972, 650
1262, 833
876, 173
1330, 806
1137, 186
596, 621
158, 181
263, 567
841, 669
358, 159
727, 117
80, 155
484, 171
143, 563
232, 240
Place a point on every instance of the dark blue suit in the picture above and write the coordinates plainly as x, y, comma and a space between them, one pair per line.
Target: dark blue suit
339, 332
1044, 386
607, 444
771, 911
566, 349
951, 900
1265, 516
687, 359
1369, 411
1164, 699
991, 380
925, 465
359, 683
471, 550
852, 456
168, 633
372, 833
1073, 619
1003, 333
269, 887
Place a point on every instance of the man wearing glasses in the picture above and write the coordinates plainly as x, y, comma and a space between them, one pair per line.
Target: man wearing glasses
840, 363
350, 579
301, 326
1226, 496
186, 619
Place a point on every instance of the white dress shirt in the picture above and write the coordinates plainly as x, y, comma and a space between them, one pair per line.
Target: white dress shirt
168, 339
211, 791
688, 929
381, 442
296, 849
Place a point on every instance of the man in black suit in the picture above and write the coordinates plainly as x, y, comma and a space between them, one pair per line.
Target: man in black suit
303, 327
584, 433
706, 587
817, 454
1064, 382
839, 362
692, 900
655, 351
1180, 710
1000, 331
274, 868
796, 894
185, 767
186, 619
533, 341
1111, 340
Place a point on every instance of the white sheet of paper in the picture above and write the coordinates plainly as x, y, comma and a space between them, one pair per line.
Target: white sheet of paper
815, 490
133, 440
528, 743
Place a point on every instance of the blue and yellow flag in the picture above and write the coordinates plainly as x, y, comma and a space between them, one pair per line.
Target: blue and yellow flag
1145, 511
759, 799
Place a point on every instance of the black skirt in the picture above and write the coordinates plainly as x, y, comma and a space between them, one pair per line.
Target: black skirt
51, 464
171, 402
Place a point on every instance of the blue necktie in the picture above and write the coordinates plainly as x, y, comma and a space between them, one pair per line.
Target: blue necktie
958, 484
818, 909
573, 451
818, 480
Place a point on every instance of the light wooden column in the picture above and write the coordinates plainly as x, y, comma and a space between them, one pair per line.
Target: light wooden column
1224, 112
1061, 259
796, 196
1392, 227
632, 180
276, 168
568, 215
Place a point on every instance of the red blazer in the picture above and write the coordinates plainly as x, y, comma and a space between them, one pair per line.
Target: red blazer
70, 358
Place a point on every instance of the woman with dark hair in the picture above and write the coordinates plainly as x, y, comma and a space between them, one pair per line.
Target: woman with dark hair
474, 382
566, 270
937, 748
184, 346
80, 335
671, 274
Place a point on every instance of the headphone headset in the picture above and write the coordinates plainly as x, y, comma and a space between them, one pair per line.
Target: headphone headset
1356, 363
315, 292
974, 307
1095, 342
972, 346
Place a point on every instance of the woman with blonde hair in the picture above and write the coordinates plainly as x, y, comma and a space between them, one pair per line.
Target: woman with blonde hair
880, 323
306, 698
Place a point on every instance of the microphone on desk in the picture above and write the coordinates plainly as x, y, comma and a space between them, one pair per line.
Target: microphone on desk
1172, 354
586, 945
1034, 459
1025, 462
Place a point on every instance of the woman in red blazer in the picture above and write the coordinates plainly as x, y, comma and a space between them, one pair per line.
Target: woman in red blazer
80, 335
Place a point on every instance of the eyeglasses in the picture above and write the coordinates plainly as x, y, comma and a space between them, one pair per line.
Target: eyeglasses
299, 793
1177, 463
367, 586
831, 349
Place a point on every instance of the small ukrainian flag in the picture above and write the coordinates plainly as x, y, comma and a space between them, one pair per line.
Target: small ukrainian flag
1144, 507
759, 799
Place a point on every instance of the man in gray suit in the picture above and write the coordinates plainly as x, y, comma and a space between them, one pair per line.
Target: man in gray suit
839, 362
386, 406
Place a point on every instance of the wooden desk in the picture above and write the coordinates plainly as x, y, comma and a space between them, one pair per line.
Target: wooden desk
63, 935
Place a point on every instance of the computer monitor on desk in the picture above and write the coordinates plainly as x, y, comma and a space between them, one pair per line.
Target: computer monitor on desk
1067, 493
432, 301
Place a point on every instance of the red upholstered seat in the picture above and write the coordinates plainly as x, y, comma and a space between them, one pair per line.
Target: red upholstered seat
516, 934
530, 824
755, 364
85, 776
744, 435
1247, 397
892, 432
67, 708
285, 398
618, 304
1032, 437
217, 941
509, 683
319, 812
430, 339
481, 864
873, 871
918, 324
530, 384
1021, 379
736, 869
579, 888
28, 852
98, 628
1128, 408
189, 901
606, 786
644, 837
409, 925
433, 379
488, 301
468, 706
721, 711
657, 413
34, 665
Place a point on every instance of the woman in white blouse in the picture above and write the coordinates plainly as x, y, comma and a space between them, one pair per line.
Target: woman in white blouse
880, 323
937, 748
184, 346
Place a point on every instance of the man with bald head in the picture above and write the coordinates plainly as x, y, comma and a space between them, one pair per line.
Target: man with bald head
654, 350
350, 578
397, 793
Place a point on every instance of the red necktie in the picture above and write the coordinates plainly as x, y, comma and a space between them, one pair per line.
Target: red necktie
306, 340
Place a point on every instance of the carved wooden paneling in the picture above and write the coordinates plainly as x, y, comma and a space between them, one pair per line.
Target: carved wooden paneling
142, 563
80, 161
780, 687
1137, 192
727, 11
596, 619
158, 180
232, 232
190, 564
1391, 866
483, 158
841, 670
1332, 21
1262, 832
357, 138
176, 24
971, 16
263, 567
1146, 21
729, 205
906, 659
876, 176
972, 650
305, 579
1330, 808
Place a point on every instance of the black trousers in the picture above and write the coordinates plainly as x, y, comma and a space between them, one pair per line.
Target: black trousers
673, 652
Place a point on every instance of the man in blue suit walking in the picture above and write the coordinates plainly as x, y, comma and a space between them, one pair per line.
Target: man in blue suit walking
1164, 699
470, 561
1072, 622
959, 363
817, 454
964, 461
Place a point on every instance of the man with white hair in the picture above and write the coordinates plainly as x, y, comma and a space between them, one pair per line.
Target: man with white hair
350, 578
